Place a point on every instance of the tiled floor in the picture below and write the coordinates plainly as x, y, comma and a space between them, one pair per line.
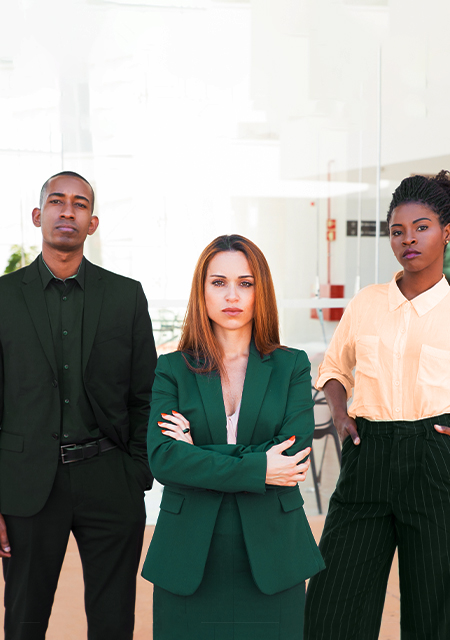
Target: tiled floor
68, 621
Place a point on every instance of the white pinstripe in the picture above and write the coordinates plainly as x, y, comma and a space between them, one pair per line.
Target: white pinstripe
386, 495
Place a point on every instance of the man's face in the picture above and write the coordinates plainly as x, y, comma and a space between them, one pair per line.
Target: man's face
65, 217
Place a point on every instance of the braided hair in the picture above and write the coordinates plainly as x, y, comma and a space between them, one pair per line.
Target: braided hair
433, 193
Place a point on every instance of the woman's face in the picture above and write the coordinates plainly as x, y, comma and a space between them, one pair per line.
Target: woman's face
230, 291
417, 238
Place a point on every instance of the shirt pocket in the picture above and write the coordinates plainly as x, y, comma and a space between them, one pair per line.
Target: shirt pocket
434, 367
367, 355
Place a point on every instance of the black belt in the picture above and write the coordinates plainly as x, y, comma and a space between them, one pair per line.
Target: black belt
77, 452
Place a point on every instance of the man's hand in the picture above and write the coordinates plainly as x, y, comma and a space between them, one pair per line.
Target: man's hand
441, 429
5, 549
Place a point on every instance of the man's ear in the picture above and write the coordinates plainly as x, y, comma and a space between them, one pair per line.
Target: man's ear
93, 225
36, 217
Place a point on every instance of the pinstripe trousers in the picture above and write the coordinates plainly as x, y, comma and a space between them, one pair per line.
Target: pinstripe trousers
393, 492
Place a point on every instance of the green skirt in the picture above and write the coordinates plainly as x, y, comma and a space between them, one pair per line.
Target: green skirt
228, 605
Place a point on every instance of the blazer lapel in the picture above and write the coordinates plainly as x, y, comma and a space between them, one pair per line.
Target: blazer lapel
211, 392
93, 298
37, 308
256, 380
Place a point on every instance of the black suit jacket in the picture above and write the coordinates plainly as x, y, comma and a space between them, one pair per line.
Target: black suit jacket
118, 361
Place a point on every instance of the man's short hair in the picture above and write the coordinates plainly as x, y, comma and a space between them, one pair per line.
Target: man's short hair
72, 174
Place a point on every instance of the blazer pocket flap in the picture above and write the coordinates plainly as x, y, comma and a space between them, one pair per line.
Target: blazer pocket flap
171, 502
11, 441
291, 500
104, 336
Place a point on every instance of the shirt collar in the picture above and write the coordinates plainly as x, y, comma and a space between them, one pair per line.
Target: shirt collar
421, 303
47, 276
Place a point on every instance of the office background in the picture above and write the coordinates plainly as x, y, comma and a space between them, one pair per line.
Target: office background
194, 118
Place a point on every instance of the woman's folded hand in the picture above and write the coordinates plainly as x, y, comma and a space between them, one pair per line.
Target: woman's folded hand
286, 471
177, 427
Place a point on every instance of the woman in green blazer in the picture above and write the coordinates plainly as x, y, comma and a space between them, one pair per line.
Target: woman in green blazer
230, 427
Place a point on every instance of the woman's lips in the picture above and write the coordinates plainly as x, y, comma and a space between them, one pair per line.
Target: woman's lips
232, 311
410, 254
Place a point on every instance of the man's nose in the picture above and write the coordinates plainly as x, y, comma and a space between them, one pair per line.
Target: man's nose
67, 210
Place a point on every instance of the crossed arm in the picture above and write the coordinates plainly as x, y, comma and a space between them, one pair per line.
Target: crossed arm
176, 459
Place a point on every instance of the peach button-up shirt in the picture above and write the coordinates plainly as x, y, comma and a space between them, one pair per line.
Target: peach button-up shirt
394, 353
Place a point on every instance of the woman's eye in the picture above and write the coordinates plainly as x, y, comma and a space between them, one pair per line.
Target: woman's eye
422, 227
246, 283
217, 283
395, 233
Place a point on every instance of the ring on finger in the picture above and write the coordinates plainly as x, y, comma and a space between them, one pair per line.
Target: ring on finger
186, 430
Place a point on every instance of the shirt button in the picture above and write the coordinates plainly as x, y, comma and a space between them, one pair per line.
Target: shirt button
397, 355
403, 330
66, 366
64, 298
67, 400
397, 383
66, 435
55, 436
55, 383
64, 333
397, 409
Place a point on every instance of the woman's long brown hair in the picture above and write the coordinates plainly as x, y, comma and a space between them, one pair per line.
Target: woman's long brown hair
197, 337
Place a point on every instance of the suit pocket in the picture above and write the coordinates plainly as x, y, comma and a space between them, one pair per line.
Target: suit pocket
171, 502
115, 332
291, 500
11, 442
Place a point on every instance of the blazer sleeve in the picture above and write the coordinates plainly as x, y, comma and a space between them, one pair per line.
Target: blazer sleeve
175, 462
143, 362
2, 382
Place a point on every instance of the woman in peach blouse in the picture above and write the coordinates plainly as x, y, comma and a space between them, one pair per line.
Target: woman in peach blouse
392, 349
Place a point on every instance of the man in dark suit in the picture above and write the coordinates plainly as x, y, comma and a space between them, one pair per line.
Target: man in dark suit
77, 360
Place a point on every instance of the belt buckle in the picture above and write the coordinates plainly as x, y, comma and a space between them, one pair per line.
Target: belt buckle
69, 447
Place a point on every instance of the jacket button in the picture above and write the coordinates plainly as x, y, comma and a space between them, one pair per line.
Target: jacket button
55, 383
55, 436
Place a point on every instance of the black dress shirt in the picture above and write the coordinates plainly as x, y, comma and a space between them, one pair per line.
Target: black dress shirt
65, 305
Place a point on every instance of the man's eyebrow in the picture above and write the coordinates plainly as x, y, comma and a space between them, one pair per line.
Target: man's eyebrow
62, 195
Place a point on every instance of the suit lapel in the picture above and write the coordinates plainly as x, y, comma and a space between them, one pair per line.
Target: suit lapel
256, 380
37, 307
93, 298
211, 392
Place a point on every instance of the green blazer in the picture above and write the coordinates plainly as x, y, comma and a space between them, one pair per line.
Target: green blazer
118, 359
276, 404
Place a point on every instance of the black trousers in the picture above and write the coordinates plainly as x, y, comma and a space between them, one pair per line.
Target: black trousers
393, 492
100, 500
